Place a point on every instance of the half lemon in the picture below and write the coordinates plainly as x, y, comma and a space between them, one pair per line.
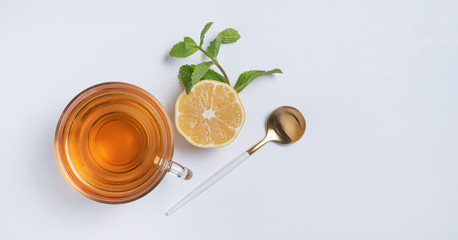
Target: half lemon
211, 115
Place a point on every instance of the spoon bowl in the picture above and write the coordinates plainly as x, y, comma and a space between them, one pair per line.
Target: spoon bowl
285, 125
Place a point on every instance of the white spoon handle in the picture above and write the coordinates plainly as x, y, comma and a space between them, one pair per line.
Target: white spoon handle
210, 181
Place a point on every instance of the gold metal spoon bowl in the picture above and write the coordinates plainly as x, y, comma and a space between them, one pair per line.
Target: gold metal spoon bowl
285, 125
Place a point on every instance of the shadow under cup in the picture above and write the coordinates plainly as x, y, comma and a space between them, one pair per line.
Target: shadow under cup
114, 143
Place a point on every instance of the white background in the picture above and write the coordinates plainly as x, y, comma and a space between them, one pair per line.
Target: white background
376, 80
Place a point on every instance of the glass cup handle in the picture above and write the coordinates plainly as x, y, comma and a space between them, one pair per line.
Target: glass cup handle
180, 171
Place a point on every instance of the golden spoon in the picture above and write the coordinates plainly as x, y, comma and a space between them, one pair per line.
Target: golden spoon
285, 125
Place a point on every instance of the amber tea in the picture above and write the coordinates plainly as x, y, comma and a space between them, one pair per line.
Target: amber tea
114, 142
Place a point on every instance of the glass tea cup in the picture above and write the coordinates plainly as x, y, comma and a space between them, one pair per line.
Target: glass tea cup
114, 143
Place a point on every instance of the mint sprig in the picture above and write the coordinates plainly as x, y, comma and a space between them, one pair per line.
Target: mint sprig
248, 76
199, 71
185, 74
229, 35
204, 31
213, 48
184, 49
189, 75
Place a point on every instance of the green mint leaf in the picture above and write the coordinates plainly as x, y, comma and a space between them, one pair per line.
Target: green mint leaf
230, 35
248, 76
202, 34
184, 74
214, 76
213, 48
199, 71
184, 49
190, 44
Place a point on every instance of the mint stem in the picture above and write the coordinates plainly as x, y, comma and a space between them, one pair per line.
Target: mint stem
217, 64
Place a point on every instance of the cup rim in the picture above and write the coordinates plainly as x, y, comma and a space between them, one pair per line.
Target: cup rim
60, 148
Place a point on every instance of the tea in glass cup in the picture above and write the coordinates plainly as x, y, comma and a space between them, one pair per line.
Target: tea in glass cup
114, 143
